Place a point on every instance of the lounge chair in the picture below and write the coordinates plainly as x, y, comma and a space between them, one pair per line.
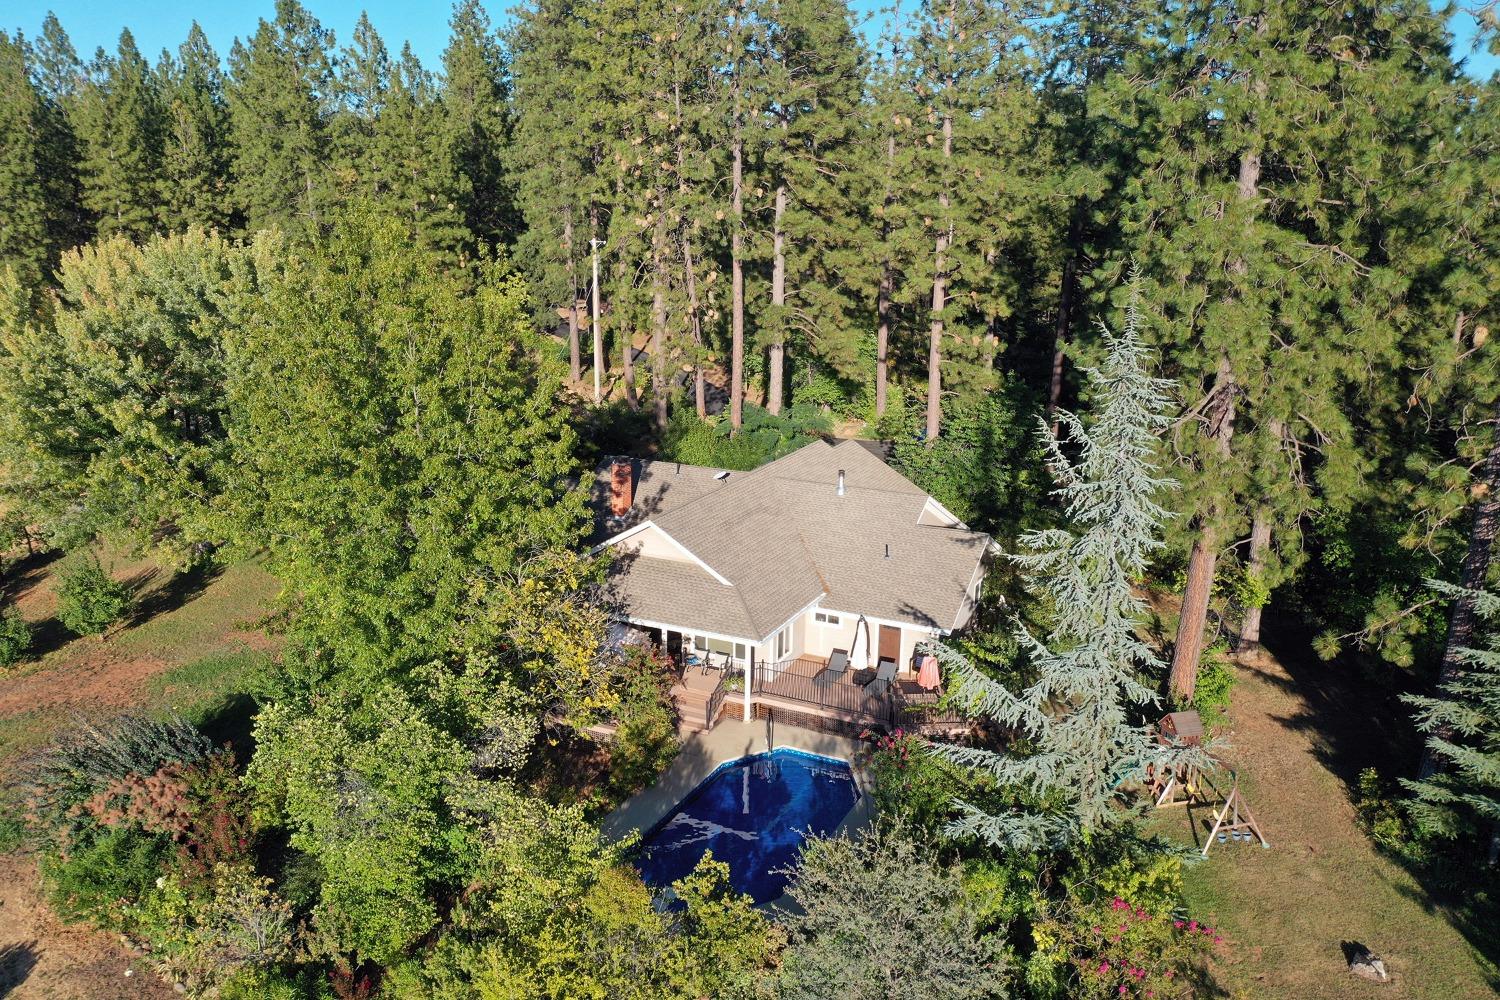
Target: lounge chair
838, 662
885, 672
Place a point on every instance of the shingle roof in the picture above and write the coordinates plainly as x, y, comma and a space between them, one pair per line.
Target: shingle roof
784, 538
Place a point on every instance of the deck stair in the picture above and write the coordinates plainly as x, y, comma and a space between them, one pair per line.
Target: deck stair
696, 698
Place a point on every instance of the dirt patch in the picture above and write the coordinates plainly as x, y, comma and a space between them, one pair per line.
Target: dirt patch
1287, 912
98, 681
41, 959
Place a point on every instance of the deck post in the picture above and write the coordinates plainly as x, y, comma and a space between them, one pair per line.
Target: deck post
749, 664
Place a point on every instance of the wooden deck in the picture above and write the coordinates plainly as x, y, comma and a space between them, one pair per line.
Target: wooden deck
803, 685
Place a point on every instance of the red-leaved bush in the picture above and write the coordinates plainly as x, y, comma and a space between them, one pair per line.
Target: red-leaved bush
198, 805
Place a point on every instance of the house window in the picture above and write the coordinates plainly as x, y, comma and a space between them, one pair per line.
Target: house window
783, 643
739, 651
700, 643
825, 618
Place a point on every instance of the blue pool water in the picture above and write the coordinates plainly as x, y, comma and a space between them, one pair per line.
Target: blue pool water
753, 814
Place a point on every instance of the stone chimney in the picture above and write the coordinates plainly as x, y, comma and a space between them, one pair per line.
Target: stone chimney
841, 482
621, 487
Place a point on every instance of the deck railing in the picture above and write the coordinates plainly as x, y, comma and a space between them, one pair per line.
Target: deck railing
807, 682
716, 700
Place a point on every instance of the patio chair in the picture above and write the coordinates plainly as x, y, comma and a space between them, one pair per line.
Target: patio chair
838, 662
885, 672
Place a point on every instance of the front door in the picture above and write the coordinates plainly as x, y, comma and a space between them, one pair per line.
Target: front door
890, 643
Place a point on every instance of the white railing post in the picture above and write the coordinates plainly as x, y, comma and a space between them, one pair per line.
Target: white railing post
748, 661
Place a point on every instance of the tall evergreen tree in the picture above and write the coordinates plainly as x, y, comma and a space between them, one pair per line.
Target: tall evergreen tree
476, 108
416, 177
120, 121
1089, 673
1462, 797
281, 93
195, 181
34, 174
551, 153
1260, 224
814, 87
971, 70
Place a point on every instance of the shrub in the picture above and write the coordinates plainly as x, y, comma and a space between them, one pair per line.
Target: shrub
1382, 817
881, 917
204, 935
15, 637
104, 873
986, 467
54, 782
89, 600
1211, 696
1104, 951
911, 782
198, 806
646, 740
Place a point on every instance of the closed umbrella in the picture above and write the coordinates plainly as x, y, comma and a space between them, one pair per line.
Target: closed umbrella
927, 676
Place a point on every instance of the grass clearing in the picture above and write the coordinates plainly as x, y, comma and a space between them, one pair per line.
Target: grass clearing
1298, 732
191, 643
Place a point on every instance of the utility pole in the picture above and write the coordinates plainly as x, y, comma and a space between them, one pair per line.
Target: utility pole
595, 244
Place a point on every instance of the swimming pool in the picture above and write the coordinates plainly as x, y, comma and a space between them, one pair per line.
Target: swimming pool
753, 814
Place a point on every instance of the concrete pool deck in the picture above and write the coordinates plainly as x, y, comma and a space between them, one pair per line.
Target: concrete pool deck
730, 740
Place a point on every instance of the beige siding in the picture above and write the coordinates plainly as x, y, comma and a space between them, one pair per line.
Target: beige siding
652, 544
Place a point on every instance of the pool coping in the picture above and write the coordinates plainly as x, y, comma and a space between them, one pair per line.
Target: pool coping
704, 753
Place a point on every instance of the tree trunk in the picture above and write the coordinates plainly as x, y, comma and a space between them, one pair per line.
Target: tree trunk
1205, 553
1201, 563
883, 338
628, 377
736, 263
575, 363
659, 344
777, 353
939, 300
694, 320
887, 286
1476, 567
1200, 585
595, 321
1260, 543
1061, 330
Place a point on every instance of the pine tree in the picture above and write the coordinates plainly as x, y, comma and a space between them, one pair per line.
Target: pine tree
552, 157
814, 88
1260, 221
363, 82
120, 120
281, 92
195, 181
416, 177
971, 70
475, 106
1088, 671
36, 209
1462, 722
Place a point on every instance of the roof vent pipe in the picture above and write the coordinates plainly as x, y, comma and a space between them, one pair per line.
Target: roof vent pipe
841, 482
887, 550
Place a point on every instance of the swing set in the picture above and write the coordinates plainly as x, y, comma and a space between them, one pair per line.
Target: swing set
1186, 785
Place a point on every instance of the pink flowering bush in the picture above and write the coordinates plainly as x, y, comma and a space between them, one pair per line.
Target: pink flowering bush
1116, 949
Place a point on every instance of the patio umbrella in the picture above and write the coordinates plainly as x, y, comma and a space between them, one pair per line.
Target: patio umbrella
927, 676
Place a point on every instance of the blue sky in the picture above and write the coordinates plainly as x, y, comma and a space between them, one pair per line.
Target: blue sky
164, 23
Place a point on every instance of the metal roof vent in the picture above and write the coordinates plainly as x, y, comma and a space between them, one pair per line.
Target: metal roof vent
721, 476
841, 482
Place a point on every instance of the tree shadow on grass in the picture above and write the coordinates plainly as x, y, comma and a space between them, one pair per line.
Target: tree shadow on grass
1356, 720
22, 574
16, 963
173, 594
230, 720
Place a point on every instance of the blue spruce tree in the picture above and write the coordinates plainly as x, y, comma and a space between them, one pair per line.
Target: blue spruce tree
1077, 723
1461, 800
